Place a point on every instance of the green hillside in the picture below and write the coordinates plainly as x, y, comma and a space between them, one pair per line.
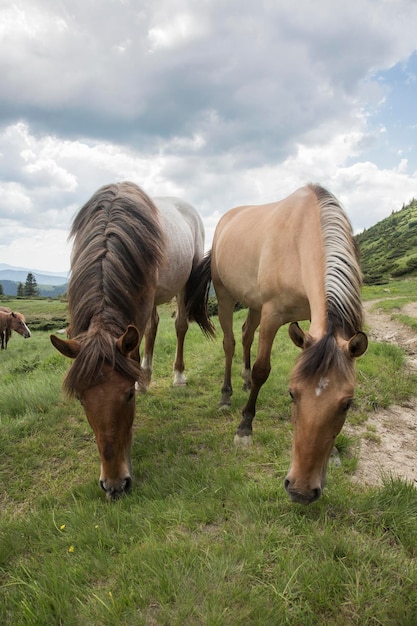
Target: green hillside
389, 249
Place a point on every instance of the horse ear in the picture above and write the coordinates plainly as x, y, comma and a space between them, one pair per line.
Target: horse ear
128, 341
297, 335
357, 345
70, 348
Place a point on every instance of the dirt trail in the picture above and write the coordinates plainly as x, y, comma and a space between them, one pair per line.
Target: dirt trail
392, 451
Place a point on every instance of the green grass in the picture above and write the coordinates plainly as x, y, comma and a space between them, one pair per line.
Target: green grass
208, 535
404, 289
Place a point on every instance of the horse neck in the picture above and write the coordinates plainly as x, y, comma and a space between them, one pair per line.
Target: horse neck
314, 285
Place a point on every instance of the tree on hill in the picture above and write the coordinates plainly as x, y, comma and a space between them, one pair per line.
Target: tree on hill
31, 289
389, 248
1, 290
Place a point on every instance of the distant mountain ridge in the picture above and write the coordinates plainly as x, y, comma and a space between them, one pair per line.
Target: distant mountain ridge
50, 284
19, 274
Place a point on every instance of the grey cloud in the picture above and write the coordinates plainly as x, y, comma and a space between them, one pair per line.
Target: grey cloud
268, 73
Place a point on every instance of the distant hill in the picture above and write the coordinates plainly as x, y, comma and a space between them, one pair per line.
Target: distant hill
50, 284
389, 249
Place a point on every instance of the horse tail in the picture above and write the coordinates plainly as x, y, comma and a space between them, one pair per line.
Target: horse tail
197, 292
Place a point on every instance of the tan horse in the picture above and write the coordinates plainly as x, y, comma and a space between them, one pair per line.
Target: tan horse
129, 255
9, 321
288, 261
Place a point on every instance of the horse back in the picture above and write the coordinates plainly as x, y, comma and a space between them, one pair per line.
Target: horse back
271, 251
184, 236
4, 319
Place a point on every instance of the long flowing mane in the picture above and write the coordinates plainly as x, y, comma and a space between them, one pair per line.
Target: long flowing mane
118, 248
342, 280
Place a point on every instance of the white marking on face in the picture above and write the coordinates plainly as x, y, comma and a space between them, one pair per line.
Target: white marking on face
323, 382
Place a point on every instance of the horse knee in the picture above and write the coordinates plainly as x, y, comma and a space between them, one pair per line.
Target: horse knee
260, 374
181, 326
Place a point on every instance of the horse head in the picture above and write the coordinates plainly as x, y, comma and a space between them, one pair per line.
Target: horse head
321, 389
106, 391
17, 323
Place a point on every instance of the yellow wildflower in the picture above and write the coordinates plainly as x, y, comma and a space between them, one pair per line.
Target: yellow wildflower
71, 549
62, 527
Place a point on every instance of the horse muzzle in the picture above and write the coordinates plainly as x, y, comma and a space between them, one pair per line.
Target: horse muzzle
302, 496
115, 489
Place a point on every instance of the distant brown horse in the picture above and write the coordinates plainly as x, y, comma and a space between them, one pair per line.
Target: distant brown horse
130, 254
10, 321
288, 261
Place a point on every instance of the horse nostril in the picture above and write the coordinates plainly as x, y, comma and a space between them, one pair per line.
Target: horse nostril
316, 494
286, 484
128, 484
102, 485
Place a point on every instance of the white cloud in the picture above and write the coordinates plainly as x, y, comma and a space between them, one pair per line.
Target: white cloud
34, 249
176, 31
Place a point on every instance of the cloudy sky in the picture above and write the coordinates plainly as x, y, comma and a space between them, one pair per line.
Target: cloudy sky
221, 102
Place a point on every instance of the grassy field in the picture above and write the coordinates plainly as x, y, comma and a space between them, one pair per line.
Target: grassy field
208, 535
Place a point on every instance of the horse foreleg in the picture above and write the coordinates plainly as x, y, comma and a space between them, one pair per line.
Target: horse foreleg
181, 327
260, 372
248, 332
147, 359
2, 340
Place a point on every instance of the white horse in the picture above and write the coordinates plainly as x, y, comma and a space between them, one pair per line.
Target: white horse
184, 238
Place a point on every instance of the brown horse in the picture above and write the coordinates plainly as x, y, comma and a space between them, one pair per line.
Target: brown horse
129, 255
9, 321
288, 261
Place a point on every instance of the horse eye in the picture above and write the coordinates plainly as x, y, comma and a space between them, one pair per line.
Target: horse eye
130, 394
291, 395
346, 405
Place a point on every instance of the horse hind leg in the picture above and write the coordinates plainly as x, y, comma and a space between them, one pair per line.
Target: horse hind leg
225, 310
147, 359
248, 332
181, 328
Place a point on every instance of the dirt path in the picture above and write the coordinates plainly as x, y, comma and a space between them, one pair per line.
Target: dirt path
392, 448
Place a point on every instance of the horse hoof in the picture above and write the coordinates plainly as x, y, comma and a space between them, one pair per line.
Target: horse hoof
243, 441
179, 380
223, 407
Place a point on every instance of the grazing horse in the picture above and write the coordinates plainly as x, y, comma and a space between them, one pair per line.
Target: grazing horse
288, 261
9, 321
129, 255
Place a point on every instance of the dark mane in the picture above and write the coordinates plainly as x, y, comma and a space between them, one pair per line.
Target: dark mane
97, 348
118, 248
343, 282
